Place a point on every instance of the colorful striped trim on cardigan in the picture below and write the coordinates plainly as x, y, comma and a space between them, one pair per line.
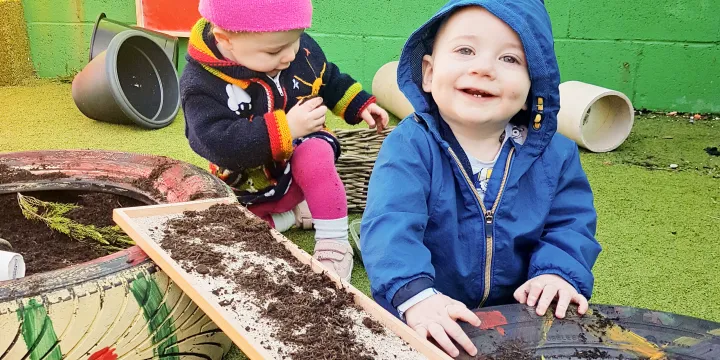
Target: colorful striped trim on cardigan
364, 106
276, 122
351, 105
342, 105
280, 138
199, 51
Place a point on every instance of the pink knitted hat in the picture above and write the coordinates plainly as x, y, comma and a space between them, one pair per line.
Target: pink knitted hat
258, 15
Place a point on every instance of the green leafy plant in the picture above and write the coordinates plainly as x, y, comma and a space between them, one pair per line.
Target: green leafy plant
53, 214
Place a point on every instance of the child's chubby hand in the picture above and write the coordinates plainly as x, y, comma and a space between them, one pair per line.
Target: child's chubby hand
306, 117
375, 117
543, 289
437, 317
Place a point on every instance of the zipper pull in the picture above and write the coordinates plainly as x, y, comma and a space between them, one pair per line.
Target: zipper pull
489, 218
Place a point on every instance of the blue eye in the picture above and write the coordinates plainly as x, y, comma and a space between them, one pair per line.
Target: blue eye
510, 59
465, 51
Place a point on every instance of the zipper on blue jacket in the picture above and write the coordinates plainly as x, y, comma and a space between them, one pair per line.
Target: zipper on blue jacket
489, 216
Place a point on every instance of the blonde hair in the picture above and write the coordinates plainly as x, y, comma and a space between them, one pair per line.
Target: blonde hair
232, 33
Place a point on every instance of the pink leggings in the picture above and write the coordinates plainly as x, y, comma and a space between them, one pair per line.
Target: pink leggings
315, 179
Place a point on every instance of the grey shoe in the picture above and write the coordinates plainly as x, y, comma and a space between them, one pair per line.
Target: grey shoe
336, 255
355, 235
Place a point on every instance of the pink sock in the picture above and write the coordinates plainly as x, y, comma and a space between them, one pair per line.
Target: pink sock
313, 169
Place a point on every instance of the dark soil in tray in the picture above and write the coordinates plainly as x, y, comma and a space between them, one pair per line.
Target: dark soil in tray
44, 249
328, 332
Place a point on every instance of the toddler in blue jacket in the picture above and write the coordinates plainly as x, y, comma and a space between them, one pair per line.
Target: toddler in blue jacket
475, 200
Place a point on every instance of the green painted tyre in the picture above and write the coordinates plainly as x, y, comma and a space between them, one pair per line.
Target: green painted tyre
120, 305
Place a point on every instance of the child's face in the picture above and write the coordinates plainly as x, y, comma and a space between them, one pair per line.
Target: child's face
477, 73
267, 52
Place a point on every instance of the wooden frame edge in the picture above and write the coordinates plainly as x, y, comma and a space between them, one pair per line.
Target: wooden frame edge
124, 216
370, 306
181, 278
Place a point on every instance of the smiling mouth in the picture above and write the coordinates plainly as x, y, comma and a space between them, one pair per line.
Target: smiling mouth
478, 93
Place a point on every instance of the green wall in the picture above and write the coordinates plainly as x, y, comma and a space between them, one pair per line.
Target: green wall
663, 54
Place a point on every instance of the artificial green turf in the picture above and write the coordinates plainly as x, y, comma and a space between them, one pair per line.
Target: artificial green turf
660, 228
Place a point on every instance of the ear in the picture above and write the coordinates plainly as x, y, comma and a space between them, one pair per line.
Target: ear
427, 73
222, 37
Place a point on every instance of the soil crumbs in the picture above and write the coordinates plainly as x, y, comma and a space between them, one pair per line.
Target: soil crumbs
513, 350
281, 303
44, 249
9, 174
148, 183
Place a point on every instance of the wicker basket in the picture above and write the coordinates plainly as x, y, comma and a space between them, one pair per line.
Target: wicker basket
359, 151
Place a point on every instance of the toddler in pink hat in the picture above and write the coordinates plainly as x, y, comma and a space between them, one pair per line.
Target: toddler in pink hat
255, 92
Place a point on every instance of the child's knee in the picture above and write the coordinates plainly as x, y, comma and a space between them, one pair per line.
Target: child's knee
315, 145
312, 152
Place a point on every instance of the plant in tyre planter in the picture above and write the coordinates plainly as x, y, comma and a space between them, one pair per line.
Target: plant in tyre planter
61, 217
49, 241
86, 303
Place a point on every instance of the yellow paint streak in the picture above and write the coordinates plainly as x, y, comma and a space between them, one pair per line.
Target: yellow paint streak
686, 341
547, 324
626, 340
630, 341
715, 332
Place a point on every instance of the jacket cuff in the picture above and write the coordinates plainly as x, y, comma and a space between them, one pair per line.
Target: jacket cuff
279, 134
412, 288
352, 104
420, 297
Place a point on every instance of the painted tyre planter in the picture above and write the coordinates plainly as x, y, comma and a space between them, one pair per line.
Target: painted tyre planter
605, 332
120, 305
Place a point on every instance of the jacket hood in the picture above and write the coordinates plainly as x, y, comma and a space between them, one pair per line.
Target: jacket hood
530, 20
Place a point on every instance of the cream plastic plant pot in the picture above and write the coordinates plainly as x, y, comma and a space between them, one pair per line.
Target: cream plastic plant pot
596, 118
387, 92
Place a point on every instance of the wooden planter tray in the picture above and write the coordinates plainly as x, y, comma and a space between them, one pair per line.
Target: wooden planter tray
130, 220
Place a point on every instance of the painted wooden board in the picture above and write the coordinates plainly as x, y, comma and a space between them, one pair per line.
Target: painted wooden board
129, 220
173, 17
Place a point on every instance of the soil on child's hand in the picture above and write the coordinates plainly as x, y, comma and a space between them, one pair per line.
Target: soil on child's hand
307, 307
44, 249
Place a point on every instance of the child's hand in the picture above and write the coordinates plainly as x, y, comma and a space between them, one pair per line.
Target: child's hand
546, 288
436, 316
306, 117
375, 116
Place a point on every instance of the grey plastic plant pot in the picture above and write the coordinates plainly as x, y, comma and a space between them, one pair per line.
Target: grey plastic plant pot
106, 29
132, 82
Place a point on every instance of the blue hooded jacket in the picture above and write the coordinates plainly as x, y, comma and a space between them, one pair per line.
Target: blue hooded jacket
425, 226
